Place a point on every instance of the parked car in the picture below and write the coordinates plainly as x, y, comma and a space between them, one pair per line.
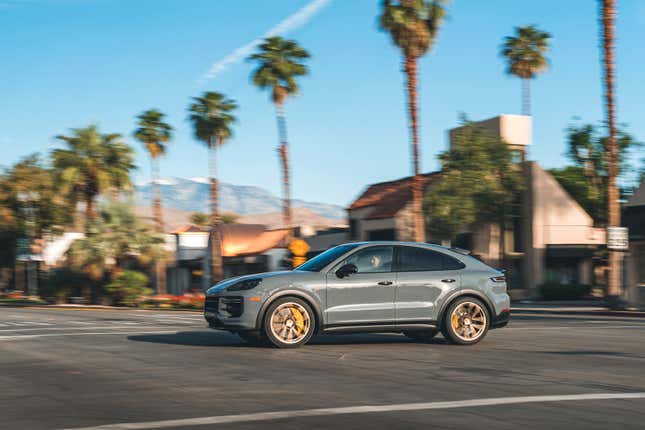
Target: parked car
418, 289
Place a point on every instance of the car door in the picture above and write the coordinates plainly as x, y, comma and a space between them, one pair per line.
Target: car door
422, 276
366, 296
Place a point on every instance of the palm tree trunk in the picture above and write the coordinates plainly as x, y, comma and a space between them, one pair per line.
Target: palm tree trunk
410, 67
90, 212
156, 201
217, 267
615, 257
526, 96
160, 264
284, 160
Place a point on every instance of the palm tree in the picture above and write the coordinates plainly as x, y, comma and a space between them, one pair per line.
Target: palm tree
92, 164
525, 55
413, 26
608, 16
279, 63
212, 120
120, 162
154, 133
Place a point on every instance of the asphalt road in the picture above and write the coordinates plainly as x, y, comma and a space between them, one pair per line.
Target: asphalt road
86, 369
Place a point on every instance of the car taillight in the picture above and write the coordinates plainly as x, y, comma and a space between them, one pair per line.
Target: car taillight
498, 278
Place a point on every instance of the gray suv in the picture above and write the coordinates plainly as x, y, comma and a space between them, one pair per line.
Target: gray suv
418, 289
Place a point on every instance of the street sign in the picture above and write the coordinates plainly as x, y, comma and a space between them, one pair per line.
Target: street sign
618, 238
299, 249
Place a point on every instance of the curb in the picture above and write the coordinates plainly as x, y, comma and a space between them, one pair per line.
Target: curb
600, 312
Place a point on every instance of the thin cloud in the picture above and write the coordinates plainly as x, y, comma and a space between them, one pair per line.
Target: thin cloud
298, 19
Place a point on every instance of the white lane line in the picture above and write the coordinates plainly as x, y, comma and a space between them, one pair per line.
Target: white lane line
574, 327
98, 327
266, 416
34, 336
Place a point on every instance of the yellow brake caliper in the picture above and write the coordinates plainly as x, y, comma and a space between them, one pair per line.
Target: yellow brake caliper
298, 318
455, 320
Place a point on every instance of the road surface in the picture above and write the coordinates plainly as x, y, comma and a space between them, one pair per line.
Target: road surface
98, 369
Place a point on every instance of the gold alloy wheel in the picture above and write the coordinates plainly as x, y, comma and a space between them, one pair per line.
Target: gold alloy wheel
290, 323
468, 321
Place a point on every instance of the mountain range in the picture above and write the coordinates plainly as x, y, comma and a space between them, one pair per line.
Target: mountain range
192, 195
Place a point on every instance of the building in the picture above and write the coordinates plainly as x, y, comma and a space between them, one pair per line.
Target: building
246, 249
634, 220
553, 241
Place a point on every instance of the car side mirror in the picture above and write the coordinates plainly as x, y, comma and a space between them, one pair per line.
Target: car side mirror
346, 270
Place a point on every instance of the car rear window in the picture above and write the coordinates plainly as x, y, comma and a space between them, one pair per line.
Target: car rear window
416, 259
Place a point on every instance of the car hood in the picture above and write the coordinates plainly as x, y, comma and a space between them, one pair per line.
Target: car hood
230, 281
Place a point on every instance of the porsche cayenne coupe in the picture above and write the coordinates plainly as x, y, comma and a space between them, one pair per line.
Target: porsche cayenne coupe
417, 289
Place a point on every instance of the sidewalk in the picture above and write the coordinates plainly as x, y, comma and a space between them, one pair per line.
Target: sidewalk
572, 308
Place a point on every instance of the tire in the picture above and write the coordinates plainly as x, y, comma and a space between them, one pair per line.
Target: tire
421, 335
466, 321
289, 322
252, 337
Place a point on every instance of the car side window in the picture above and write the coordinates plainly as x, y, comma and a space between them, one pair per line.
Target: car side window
415, 259
375, 259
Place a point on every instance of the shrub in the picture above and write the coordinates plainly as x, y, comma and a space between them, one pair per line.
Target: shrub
556, 291
128, 287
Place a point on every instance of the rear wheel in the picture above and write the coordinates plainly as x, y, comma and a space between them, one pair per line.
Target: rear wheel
289, 322
421, 335
466, 321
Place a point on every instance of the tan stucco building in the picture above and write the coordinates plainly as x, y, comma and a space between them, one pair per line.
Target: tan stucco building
553, 240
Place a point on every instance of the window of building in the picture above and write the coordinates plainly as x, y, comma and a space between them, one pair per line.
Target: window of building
385, 234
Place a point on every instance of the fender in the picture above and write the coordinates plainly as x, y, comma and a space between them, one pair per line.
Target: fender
466, 292
304, 295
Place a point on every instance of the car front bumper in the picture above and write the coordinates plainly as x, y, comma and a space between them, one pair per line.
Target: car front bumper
231, 312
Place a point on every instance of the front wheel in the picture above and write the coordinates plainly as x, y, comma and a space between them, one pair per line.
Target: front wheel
466, 321
289, 322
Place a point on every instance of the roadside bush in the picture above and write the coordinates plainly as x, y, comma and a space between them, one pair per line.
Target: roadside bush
128, 287
58, 284
556, 291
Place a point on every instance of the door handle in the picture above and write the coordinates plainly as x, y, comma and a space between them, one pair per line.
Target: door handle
448, 281
385, 283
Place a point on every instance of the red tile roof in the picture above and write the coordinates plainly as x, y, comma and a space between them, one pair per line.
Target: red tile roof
388, 198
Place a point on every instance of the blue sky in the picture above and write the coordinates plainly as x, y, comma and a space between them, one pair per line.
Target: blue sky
68, 63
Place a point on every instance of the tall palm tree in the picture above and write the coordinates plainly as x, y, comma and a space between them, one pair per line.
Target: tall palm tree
92, 164
413, 26
155, 134
525, 56
608, 16
279, 62
120, 162
212, 120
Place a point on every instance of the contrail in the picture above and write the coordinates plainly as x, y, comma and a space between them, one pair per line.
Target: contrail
298, 19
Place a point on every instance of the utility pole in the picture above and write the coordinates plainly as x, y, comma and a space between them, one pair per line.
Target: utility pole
608, 17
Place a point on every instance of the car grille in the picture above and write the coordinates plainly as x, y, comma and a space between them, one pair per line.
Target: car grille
211, 304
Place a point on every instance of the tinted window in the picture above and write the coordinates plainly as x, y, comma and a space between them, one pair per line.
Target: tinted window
375, 259
413, 259
320, 261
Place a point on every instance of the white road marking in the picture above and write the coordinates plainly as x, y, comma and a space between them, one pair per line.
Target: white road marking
266, 416
33, 336
569, 328
74, 329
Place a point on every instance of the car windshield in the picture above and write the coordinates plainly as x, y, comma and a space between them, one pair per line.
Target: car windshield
320, 261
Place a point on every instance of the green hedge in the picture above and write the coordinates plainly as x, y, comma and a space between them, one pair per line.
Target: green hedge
555, 291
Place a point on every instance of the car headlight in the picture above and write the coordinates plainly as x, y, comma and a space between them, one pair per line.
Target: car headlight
247, 284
